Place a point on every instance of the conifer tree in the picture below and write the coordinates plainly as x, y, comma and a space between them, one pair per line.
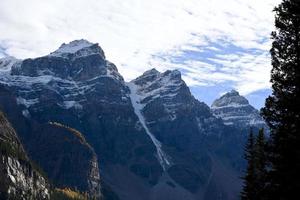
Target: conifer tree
282, 109
260, 165
249, 192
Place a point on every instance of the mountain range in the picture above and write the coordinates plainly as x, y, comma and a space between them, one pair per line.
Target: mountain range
149, 138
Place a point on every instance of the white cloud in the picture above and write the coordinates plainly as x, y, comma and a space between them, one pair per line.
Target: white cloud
131, 32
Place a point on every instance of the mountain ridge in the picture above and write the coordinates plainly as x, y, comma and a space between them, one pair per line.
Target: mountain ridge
151, 130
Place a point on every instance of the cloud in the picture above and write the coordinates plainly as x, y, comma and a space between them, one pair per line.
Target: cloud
231, 37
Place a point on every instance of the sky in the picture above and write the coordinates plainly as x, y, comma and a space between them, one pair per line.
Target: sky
217, 45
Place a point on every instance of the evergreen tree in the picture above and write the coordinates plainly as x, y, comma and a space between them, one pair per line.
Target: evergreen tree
260, 165
249, 192
282, 109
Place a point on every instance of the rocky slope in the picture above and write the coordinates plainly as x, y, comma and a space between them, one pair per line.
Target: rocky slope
153, 139
189, 133
18, 178
66, 157
235, 110
62, 152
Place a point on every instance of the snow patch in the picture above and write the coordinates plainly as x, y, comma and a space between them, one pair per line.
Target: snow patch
231, 105
7, 63
26, 113
70, 104
27, 102
138, 107
71, 47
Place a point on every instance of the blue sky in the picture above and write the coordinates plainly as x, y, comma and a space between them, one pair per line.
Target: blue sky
217, 45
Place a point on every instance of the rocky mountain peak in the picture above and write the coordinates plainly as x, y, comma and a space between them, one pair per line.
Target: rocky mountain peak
235, 110
74, 46
154, 76
233, 92
79, 60
232, 98
152, 71
153, 84
78, 48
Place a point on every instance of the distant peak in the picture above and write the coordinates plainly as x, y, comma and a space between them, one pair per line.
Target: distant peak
232, 98
154, 74
151, 71
233, 92
174, 73
76, 46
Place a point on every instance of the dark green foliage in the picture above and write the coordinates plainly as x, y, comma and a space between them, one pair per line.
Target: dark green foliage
260, 164
248, 192
255, 178
282, 109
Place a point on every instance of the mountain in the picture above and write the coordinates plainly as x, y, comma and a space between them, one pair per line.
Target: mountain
235, 110
19, 179
50, 144
149, 138
187, 131
84, 91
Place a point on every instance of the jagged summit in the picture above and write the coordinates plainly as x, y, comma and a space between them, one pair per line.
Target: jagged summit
235, 110
79, 60
74, 46
78, 48
232, 98
154, 82
166, 89
233, 92
151, 71
76, 70
154, 75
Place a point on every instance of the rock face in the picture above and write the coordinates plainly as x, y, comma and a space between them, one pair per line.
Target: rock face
235, 110
189, 134
153, 139
66, 157
62, 152
18, 178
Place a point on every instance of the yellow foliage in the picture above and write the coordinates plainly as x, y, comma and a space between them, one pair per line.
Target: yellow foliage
72, 194
72, 130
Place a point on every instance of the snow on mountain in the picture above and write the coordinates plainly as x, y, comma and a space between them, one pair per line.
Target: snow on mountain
155, 85
235, 110
151, 130
6, 63
73, 46
138, 107
77, 48
70, 73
